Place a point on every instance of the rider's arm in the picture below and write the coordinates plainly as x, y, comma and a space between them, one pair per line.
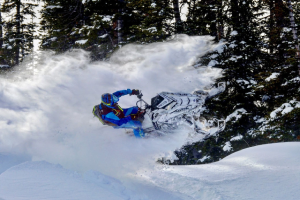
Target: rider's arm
111, 117
122, 92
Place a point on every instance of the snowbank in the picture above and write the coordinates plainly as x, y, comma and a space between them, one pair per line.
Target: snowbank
41, 180
261, 172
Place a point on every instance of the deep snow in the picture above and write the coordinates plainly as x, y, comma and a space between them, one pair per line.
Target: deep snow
263, 172
52, 147
46, 109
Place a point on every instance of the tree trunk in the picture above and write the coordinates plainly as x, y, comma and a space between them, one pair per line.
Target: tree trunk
277, 14
212, 17
178, 21
271, 36
279, 18
18, 35
295, 36
235, 14
120, 26
120, 22
220, 24
1, 31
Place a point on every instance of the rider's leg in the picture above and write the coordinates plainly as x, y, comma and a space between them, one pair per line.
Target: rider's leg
139, 133
136, 126
130, 111
131, 124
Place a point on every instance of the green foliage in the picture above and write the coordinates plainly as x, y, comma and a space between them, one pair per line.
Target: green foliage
98, 37
205, 18
261, 76
58, 20
152, 17
101, 27
19, 34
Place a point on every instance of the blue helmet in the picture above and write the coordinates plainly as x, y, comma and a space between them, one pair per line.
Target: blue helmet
109, 99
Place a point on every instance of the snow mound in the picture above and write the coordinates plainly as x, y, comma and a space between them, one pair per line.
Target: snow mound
9, 160
261, 172
42, 180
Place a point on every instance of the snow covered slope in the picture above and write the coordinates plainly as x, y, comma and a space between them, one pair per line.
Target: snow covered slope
51, 147
262, 172
46, 109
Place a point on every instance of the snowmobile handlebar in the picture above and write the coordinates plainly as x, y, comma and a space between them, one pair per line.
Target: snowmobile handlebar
141, 103
140, 95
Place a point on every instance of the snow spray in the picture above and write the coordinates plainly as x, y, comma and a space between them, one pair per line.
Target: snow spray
46, 107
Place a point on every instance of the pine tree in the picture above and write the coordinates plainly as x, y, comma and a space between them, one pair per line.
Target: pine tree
19, 30
281, 87
109, 12
106, 27
205, 18
178, 22
294, 30
2, 52
242, 57
58, 20
261, 75
152, 19
242, 60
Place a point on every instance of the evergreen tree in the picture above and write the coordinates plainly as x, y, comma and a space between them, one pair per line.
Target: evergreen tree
107, 26
58, 20
262, 80
152, 20
242, 57
293, 22
178, 22
107, 15
205, 18
2, 52
281, 86
242, 60
19, 30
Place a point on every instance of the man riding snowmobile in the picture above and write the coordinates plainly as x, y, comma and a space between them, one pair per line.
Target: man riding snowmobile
110, 113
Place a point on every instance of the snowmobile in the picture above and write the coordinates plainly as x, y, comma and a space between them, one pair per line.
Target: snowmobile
169, 111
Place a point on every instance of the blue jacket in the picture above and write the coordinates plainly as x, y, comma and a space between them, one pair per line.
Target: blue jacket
115, 114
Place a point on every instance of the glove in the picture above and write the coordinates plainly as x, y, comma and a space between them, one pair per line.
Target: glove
134, 117
135, 92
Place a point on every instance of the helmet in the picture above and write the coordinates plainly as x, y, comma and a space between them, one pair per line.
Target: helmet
109, 99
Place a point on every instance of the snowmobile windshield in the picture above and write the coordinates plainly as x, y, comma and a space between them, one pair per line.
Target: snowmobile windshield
155, 101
